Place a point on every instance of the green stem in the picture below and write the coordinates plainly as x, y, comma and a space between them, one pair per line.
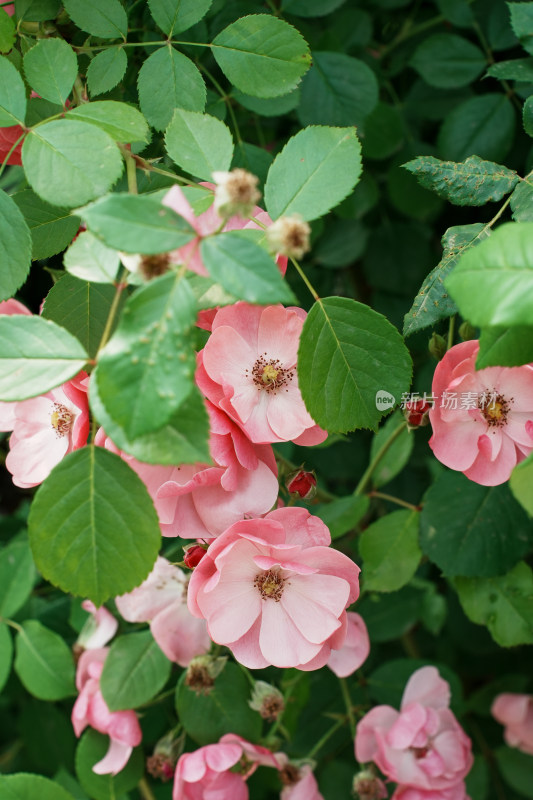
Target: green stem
409, 30
144, 790
119, 288
305, 279
248, 674
379, 455
451, 329
348, 704
11, 624
225, 97
321, 742
391, 499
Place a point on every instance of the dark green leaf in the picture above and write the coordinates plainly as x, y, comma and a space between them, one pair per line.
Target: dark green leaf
92, 748
519, 69
24, 786
175, 16
134, 671
37, 10
7, 32
15, 247
522, 23
448, 61
505, 347
397, 454
271, 107
122, 122
310, 8
522, 201
12, 95
483, 126
199, 143
390, 552
387, 682
44, 662
106, 69
471, 183
389, 616
517, 768
91, 511
17, 576
51, 228
342, 515
103, 18
383, 132
169, 80
51, 67
6, 655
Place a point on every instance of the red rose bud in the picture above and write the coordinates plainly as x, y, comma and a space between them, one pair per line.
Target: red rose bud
302, 483
416, 413
193, 555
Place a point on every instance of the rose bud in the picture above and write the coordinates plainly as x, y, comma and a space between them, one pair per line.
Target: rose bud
417, 413
302, 483
193, 554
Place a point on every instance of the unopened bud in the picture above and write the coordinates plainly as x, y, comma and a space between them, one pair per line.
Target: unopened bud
467, 331
154, 266
267, 700
289, 236
236, 193
302, 483
162, 763
367, 786
437, 346
202, 671
417, 413
193, 554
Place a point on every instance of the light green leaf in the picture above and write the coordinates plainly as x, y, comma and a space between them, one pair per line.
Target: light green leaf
24, 786
448, 61
349, 357
37, 10
522, 23
316, 169
482, 125
505, 347
135, 670
136, 224
262, 55
51, 228
12, 95
398, 453
520, 484
92, 748
517, 768
35, 356
146, 370
51, 68
103, 18
492, 284
342, 515
337, 90
15, 247
44, 662
390, 552
169, 80
90, 260
6, 655
7, 32
175, 16
433, 301
209, 293
522, 201
17, 576
106, 69
504, 604
243, 268
90, 513
121, 121
473, 182
68, 162
199, 143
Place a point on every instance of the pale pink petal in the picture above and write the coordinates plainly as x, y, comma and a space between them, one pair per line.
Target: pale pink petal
456, 446
405, 730
314, 603
279, 335
378, 719
114, 760
244, 318
180, 636
227, 356
280, 641
31, 460
493, 473
164, 585
301, 527
425, 686
354, 652
287, 414
246, 649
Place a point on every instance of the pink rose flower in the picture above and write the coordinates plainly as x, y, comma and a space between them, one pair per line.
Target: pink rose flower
515, 711
455, 792
90, 709
205, 774
99, 628
489, 427
421, 747
273, 591
299, 783
161, 600
9, 308
248, 369
355, 649
199, 501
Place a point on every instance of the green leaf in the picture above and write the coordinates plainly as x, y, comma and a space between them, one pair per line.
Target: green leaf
81, 308
90, 260
527, 116
337, 90
51, 228
448, 61
262, 55
270, 107
121, 121
519, 69
255, 159
342, 515
92, 748
6, 655
68, 162
51, 67
520, 484
522, 23
103, 18
397, 455
90, 513
492, 284
244, 268
135, 670
348, 354
390, 552
317, 168
169, 80
7, 32
37, 10
504, 605
24, 786
208, 293
387, 683
522, 201
383, 132
12, 95
473, 530
432, 301
471, 183
310, 8
146, 370
199, 143
207, 717
505, 347
15, 247
17, 576
183, 440
106, 70
136, 224
36, 355
516, 768
44, 662
483, 126
175, 16
389, 616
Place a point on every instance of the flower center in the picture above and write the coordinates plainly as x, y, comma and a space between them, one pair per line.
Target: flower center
495, 408
270, 584
420, 752
61, 419
268, 374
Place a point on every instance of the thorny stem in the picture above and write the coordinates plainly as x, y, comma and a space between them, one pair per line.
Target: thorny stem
397, 500
379, 455
349, 705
